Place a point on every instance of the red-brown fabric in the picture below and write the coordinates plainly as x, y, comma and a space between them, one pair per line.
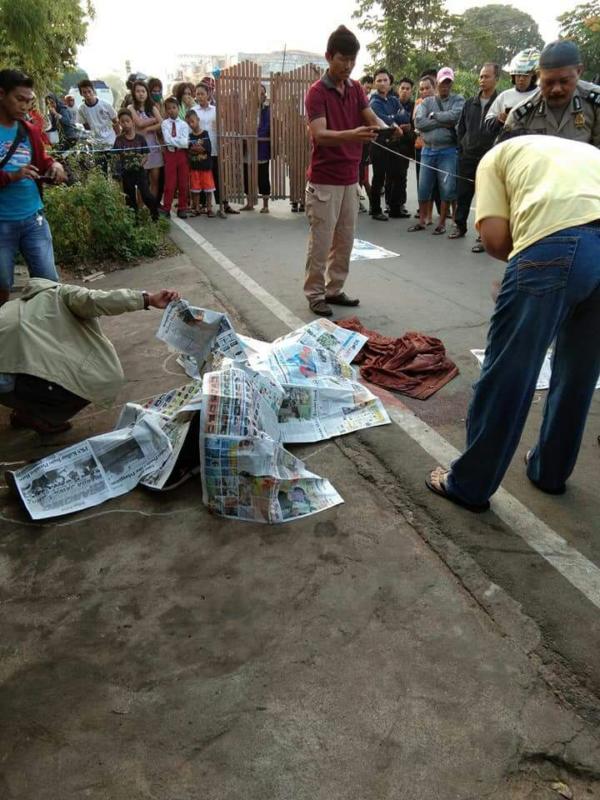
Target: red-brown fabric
413, 364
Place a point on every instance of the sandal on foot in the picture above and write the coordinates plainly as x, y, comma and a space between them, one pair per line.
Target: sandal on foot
416, 227
439, 230
456, 232
436, 482
478, 248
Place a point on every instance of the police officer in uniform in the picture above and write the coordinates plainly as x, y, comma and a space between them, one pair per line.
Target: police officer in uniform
564, 105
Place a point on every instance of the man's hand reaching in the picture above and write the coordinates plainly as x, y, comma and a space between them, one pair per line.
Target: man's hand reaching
163, 298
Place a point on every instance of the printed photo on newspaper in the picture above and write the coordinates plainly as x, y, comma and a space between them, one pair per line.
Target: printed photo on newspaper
197, 331
97, 469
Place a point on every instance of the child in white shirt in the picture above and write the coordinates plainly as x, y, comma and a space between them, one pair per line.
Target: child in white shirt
176, 134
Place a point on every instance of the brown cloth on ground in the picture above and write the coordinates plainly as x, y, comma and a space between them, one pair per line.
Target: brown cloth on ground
414, 364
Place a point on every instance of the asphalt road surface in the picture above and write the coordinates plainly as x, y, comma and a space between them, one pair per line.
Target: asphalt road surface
543, 551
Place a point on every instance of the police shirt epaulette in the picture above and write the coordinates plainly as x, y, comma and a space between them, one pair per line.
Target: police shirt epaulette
523, 110
593, 97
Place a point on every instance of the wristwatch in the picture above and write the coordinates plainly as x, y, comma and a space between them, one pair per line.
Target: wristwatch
146, 297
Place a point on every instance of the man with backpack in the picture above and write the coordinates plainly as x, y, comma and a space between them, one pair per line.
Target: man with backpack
24, 163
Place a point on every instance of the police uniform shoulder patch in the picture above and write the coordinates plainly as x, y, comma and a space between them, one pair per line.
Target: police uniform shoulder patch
521, 111
593, 97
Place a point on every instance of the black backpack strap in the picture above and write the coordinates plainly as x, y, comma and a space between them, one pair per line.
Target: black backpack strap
20, 137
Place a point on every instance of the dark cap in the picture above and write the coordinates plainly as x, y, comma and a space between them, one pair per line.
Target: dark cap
562, 53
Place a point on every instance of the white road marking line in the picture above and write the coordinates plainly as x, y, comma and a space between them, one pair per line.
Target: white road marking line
575, 567
267, 299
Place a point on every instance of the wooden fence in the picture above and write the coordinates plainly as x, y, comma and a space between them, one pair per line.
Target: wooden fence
238, 104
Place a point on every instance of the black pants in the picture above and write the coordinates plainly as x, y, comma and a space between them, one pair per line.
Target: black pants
389, 173
138, 179
465, 189
43, 400
264, 182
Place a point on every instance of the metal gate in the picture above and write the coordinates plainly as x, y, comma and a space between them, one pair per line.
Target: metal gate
237, 98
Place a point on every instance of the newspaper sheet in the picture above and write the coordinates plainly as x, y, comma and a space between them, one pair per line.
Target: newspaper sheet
241, 480
332, 407
93, 471
543, 381
197, 331
246, 473
238, 402
173, 411
367, 251
322, 397
342, 343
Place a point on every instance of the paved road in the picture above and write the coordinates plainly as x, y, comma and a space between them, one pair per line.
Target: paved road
152, 650
438, 286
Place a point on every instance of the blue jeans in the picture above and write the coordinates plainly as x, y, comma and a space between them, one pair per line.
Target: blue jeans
446, 159
32, 237
550, 291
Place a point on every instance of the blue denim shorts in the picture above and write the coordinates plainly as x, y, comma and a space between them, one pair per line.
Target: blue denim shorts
32, 238
444, 159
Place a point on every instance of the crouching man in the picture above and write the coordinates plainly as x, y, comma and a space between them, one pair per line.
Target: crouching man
54, 358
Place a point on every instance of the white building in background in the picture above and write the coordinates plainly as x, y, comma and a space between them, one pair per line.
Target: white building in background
195, 66
283, 61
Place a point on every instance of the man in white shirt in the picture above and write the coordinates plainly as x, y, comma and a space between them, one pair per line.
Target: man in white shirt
97, 116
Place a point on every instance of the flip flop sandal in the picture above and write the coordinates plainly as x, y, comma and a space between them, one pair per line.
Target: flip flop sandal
417, 227
478, 248
456, 233
561, 489
439, 487
438, 231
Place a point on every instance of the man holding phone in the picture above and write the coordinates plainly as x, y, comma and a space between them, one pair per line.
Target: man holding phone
340, 123
23, 164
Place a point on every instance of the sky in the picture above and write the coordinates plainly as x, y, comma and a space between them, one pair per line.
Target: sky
136, 32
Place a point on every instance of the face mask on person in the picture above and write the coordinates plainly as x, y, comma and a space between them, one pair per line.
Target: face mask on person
156, 96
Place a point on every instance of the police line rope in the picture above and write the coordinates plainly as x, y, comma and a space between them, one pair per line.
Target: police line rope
444, 172
143, 150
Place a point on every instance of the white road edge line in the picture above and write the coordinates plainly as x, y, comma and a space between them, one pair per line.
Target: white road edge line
572, 565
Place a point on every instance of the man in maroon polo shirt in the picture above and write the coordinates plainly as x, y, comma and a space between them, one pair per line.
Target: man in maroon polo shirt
340, 122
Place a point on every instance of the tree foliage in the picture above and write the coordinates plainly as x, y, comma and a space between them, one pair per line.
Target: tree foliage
409, 36
41, 36
494, 33
71, 78
422, 34
582, 24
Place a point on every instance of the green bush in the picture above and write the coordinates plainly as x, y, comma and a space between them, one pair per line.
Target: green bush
91, 222
466, 83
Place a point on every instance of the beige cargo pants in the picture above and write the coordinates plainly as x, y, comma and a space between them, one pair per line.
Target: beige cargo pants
331, 212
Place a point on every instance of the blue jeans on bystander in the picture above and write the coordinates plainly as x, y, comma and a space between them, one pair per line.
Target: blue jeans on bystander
550, 291
432, 161
32, 237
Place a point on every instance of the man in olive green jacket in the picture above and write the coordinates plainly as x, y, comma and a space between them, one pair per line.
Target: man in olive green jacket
54, 358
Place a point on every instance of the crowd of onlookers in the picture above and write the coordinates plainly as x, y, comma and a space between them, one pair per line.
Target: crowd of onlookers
162, 147
158, 146
444, 135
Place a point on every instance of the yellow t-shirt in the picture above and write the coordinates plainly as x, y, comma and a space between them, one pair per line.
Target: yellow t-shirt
540, 184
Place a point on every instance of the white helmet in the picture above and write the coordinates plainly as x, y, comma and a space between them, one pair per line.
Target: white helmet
525, 62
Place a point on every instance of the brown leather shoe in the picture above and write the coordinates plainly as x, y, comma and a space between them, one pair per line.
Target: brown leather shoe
342, 299
321, 308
